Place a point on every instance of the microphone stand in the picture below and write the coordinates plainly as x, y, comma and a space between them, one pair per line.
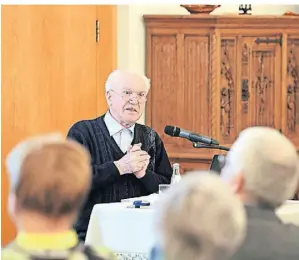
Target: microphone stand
210, 146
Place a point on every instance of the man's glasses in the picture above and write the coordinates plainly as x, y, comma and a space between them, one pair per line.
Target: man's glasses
128, 95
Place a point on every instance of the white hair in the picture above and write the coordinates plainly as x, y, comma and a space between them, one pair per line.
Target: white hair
15, 158
115, 78
200, 218
268, 162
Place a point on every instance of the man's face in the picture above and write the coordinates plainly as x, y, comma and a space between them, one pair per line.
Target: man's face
127, 99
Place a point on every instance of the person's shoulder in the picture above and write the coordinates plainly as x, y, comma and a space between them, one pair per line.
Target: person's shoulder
86, 252
9, 253
147, 129
85, 124
150, 133
292, 229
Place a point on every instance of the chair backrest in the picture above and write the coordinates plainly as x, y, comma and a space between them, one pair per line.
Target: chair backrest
217, 163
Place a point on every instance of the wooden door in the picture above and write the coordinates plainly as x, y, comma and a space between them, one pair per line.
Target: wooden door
53, 73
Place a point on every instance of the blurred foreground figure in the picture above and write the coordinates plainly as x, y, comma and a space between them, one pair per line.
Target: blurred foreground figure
262, 168
49, 178
199, 219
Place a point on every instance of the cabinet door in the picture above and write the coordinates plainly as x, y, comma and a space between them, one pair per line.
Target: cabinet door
178, 66
260, 83
196, 86
163, 106
291, 103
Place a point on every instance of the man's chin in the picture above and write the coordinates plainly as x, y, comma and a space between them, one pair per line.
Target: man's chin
132, 119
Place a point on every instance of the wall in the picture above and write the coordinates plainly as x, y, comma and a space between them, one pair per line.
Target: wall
131, 33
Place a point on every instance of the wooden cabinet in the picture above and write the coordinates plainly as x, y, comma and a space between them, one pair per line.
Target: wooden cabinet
217, 75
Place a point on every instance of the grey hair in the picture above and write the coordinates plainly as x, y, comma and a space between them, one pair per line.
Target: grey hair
200, 218
268, 162
15, 158
114, 76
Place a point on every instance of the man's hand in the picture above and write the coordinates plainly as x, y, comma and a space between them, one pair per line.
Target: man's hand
141, 173
133, 161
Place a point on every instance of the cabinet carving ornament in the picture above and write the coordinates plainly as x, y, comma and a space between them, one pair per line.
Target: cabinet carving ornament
262, 82
244, 82
226, 90
217, 75
292, 88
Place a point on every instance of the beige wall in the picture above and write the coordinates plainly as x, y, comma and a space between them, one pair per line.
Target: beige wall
131, 33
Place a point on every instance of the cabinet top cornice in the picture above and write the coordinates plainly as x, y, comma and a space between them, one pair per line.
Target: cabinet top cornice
248, 21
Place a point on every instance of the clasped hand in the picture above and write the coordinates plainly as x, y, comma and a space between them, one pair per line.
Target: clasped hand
135, 161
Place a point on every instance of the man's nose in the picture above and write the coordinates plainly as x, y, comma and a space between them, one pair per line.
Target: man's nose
133, 98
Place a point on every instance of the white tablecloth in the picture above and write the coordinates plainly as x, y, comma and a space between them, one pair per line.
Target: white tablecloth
289, 212
131, 232
127, 231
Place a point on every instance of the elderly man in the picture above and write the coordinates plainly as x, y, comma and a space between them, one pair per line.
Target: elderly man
42, 202
128, 159
262, 167
199, 218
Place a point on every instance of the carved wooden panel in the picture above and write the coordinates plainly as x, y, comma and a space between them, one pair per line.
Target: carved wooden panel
180, 76
292, 90
228, 70
260, 83
263, 87
164, 94
244, 84
196, 85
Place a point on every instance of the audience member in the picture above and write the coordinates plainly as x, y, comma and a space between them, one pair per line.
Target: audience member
262, 168
49, 178
199, 219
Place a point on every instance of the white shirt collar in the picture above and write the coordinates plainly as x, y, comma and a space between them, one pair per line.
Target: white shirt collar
113, 126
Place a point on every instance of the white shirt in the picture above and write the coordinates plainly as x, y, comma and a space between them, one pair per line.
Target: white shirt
123, 136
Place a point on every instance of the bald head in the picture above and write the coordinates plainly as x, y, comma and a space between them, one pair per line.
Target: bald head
125, 78
267, 163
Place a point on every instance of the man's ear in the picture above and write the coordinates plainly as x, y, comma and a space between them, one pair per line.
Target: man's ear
108, 97
12, 206
238, 183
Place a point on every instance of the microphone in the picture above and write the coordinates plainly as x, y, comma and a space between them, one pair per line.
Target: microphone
193, 137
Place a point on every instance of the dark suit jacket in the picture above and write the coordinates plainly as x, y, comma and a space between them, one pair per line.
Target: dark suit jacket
268, 238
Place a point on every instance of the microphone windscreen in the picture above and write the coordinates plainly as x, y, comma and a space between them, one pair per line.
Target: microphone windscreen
172, 130
169, 130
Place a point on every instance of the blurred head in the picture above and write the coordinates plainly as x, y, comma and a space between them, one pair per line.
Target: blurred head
200, 218
262, 167
126, 94
49, 177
